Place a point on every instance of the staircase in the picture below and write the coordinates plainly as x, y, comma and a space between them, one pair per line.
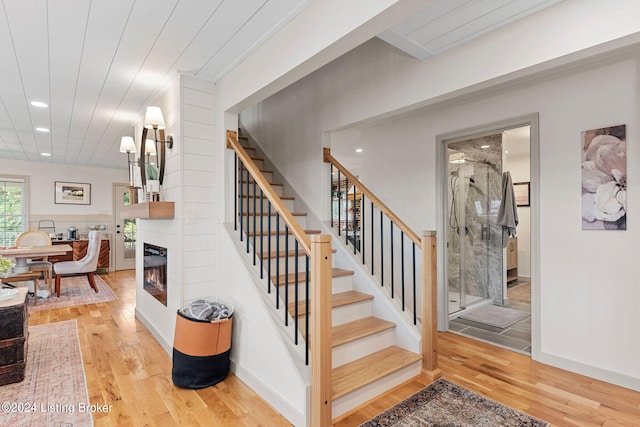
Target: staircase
365, 360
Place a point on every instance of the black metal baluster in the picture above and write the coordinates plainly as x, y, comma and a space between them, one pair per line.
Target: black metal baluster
346, 212
372, 240
392, 259
381, 252
295, 299
248, 232
286, 274
362, 230
415, 320
339, 204
402, 264
235, 191
269, 248
255, 213
276, 282
355, 224
306, 308
241, 202
261, 234
331, 193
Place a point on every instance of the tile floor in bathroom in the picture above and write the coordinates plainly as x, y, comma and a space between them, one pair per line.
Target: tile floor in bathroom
516, 337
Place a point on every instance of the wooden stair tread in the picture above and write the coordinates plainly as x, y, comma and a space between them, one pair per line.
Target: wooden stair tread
281, 233
351, 331
281, 279
337, 300
354, 375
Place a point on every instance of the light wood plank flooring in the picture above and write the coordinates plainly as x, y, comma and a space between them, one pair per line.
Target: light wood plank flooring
127, 368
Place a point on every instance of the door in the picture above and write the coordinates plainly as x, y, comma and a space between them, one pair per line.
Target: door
124, 245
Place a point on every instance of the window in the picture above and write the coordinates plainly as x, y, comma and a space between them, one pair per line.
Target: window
13, 209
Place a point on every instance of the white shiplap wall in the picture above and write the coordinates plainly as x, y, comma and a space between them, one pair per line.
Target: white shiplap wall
197, 102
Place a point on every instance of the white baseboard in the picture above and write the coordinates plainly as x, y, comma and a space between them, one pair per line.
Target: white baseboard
590, 371
166, 346
283, 407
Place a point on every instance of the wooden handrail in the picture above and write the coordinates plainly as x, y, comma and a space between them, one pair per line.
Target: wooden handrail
269, 193
328, 158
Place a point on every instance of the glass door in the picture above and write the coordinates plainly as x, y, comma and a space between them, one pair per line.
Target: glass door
125, 236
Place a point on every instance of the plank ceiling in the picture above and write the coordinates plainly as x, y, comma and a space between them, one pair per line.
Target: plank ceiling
98, 63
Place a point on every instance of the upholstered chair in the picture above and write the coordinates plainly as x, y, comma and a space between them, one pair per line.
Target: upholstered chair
37, 238
87, 265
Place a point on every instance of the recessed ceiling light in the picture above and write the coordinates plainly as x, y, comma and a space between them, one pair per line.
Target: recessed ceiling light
43, 130
45, 154
358, 150
39, 104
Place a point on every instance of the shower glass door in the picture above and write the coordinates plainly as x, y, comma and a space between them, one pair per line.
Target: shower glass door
474, 249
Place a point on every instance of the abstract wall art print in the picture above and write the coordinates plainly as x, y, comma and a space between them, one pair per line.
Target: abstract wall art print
604, 178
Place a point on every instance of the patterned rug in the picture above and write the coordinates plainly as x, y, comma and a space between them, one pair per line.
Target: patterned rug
74, 290
445, 404
54, 390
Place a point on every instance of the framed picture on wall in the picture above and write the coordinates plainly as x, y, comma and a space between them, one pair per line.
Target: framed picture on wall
522, 192
72, 193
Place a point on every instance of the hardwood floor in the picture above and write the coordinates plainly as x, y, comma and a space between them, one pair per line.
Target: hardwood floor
127, 368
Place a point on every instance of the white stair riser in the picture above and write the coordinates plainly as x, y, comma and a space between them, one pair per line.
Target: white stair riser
284, 260
362, 347
245, 190
376, 388
266, 220
244, 176
247, 204
342, 282
351, 312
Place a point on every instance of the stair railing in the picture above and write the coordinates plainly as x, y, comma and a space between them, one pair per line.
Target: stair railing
371, 229
250, 183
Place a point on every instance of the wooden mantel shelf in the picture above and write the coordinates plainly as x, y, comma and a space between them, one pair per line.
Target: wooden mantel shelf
148, 210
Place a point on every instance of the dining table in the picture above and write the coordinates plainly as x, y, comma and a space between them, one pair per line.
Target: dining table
22, 253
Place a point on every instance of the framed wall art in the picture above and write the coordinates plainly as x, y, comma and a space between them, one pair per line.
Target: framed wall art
522, 192
72, 193
604, 178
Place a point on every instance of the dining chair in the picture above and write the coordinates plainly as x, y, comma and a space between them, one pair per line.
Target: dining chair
87, 265
37, 238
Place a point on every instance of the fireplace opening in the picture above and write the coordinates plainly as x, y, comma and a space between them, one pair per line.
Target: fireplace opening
155, 271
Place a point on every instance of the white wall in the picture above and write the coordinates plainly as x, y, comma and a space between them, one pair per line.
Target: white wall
587, 283
42, 178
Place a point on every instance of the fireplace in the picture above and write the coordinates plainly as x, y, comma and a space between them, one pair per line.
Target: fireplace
155, 271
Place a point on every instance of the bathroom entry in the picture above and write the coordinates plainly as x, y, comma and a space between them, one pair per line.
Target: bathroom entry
474, 240
488, 287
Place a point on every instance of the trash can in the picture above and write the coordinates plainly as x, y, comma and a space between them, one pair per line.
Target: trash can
201, 345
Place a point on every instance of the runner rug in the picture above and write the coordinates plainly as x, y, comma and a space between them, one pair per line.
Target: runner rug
54, 390
74, 290
445, 404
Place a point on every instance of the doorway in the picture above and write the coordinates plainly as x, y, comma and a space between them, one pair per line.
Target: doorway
124, 251
488, 282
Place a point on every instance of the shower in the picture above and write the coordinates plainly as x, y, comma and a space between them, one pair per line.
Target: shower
474, 252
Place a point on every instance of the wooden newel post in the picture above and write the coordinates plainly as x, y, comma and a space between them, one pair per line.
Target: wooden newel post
429, 306
321, 414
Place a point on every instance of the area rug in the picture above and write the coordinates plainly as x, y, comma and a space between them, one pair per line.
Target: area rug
74, 290
445, 404
520, 292
495, 315
54, 390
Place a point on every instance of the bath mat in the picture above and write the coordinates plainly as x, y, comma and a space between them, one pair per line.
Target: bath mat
54, 389
495, 315
446, 404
